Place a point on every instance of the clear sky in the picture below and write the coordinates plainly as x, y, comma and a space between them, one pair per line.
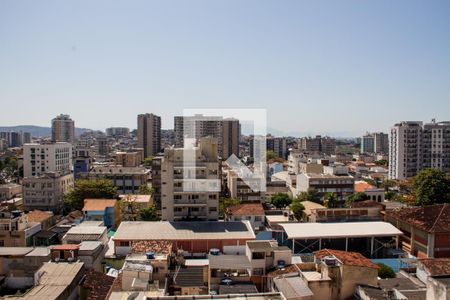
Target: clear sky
340, 67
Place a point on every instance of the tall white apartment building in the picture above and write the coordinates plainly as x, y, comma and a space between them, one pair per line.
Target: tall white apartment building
190, 182
63, 129
39, 159
414, 146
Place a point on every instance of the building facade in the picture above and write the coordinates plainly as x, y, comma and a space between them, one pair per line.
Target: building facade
190, 182
63, 129
43, 158
149, 134
226, 130
414, 146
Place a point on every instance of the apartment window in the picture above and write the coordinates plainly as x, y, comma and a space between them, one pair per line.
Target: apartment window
124, 244
213, 196
2, 243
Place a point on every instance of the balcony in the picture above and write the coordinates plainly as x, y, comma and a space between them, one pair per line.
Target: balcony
186, 202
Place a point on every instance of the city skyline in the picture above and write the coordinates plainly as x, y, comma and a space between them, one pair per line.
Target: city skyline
318, 68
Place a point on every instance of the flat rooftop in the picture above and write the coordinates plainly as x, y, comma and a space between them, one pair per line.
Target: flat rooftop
208, 230
339, 230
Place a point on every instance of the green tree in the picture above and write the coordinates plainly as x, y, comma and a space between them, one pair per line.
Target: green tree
145, 189
281, 200
148, 214
88, 189
224, 203
129, 208
385, 271
360, 196
330, 200
148, 161
311, 195
297, 209
270, 155
431, 186
388, 184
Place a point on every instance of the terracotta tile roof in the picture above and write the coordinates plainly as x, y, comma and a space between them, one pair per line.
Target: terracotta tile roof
39, 215
436, 266
432, 218
98, 204
347, 258
366, 203
362, 186
286, 270
74, 215
66, 247
251, 209
97, 285
158, 247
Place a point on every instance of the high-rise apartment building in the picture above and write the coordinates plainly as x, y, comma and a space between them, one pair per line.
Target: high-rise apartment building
149, 134
39, 159
377, 142
117, 132
188, 182
63, 129
275, 144
414, 146
317, 144
227, 132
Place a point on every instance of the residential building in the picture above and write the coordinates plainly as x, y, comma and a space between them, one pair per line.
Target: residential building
325, 183
81, 233
63, 129
126, 179
435, 274
15, 230
372, 192
105, 210
188, 237
56, 281
253, 212
9, 191
415, 146
266, 255
102, 147
426, 230
377, 142
367, 144
46, 192
227, 131
91, 253
129, 159
248, 189
347, 270
18, 265
190, 182
43, 158
276, 144
117, 132
149, 134
317, 144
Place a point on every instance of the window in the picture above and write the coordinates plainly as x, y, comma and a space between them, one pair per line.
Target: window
124, 244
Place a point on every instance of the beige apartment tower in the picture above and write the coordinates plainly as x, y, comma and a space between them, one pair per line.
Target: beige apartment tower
63, 129
149, 134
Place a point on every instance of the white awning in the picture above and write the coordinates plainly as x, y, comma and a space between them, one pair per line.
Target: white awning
339, 230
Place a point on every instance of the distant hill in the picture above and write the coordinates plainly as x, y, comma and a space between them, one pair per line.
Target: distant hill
37, 131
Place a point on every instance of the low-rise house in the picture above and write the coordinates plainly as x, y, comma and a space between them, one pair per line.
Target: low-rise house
347, 270
16, 230
373, 193
56, 281
435, 273
91, 253
401, 287
253, 212
126, 179
106, 210
78, 234
236, 268
426, 230
9, 191
266, 255
46, 218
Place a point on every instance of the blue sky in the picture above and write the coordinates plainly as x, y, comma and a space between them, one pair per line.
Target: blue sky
339, 67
